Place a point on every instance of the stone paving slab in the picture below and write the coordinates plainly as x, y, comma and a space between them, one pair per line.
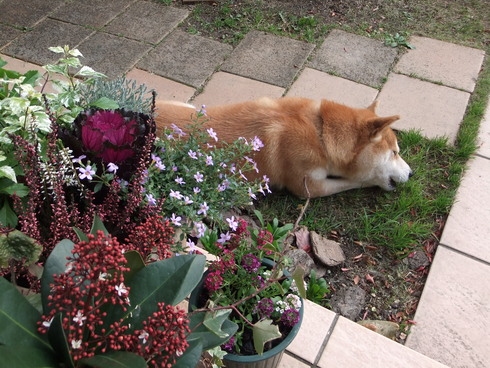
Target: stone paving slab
33, 46
453, 315
7, 34
433, 109
318, 85
95, 13
268, 58
315, 327
26, 13
166, 89
354, 57
147, 21
111, 55
484, 134
288, 361
352, 345
452, 65
467, 228
186, 58
224, 88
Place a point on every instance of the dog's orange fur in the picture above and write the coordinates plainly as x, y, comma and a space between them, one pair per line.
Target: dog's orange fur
304, 140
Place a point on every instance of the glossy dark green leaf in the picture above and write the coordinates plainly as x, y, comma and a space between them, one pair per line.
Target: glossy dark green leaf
55, 265
191, 356
98, 225
27, 357
134, 262
58, 340
18, 319
116, 359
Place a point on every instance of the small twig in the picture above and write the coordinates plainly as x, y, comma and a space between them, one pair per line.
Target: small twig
305, 206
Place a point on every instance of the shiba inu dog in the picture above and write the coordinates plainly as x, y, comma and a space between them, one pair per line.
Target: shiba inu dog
311, 148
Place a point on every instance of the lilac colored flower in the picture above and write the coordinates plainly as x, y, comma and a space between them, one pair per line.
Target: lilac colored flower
250, 263
160, 165
86, 172
78, 159
264, 308
112, 167
151, 199
192, 247
179, 180
224, 185
251, 194
177, 130
290, 317
257, 144
175, 194
196, 190
202, 110
228, 346
212, 134
188, 200
176, 220
199, 177
209, 161
192, 154
232, 223
199, 230
203, 209
224, 237
175, 168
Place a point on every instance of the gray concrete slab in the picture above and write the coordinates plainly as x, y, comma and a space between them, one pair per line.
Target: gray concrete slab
112, 55
26, 13
186, 58
147, 21
95, 13
354, 57
268, 58
33, 46
7, 34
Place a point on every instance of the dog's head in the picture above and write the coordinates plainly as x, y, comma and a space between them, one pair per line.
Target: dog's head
365, 145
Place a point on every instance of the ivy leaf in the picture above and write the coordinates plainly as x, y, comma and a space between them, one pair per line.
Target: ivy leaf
264, 331
215, 335
18, 319
115, 359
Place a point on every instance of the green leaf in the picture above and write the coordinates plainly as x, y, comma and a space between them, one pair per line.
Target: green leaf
168, 281
214, 321
210, 338
264, 331
27, 357
105, 104
2, 63
19, 190
8, 218
116, 359
58, 340
191, 356
18, 319
8, 172
98, 225
55, 265
80, 234
31, 77
135, 263
57, 49
298, 277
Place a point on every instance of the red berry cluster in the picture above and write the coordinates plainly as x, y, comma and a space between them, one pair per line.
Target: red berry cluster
152, 239
93, 278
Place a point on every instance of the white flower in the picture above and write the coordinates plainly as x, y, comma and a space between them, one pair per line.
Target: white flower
257, 144
112, 167
144, 336
121, 290
212, 134
47, 324
175, 194
232, 223
79, 318
76, 344
203, 209
176, 220
224, 237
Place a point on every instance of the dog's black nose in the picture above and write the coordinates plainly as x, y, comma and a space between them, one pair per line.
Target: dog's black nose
411, 174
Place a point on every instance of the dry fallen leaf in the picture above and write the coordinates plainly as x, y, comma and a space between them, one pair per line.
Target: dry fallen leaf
303, 239
370, 278
356, 279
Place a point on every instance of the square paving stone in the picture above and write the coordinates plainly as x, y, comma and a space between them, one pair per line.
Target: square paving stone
186, 58
453, 315
354, 57
7, 34
166, 89
224, 88
147, 21
438, 61
268, 58
435, 110
95, 13
33, 46
26, 13
467, 227
318, 85
112, 55
352, 345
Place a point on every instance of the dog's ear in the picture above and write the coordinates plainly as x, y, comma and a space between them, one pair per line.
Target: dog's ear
373, 106
378, 124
